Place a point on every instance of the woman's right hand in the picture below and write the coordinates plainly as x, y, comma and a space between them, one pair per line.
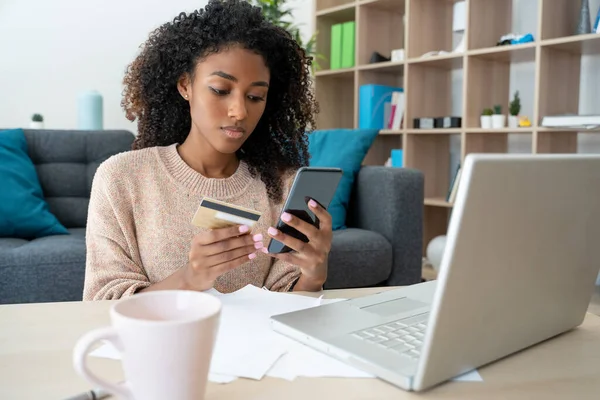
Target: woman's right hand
217, 251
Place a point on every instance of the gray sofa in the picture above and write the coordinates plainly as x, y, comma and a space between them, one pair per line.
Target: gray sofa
382, 245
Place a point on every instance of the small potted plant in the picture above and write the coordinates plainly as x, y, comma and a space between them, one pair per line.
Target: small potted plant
498, 119
37, 121
514, 108
486, 118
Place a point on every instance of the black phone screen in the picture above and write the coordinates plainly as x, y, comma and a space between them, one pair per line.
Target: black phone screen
319, 184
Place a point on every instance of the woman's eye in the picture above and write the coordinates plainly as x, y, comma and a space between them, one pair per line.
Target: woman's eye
219, 91
256, 98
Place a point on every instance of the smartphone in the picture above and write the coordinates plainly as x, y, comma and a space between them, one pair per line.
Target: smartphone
315, 183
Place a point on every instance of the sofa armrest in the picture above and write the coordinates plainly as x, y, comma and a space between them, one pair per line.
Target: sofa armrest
389, 201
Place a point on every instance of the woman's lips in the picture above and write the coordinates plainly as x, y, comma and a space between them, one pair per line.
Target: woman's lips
233, 132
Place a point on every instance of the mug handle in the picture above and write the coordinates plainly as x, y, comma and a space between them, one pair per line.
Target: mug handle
81, 350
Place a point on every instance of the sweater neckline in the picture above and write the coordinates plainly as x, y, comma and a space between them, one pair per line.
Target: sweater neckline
198, 183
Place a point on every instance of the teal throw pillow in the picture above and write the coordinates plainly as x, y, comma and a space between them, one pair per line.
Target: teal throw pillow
24, 212
345, 149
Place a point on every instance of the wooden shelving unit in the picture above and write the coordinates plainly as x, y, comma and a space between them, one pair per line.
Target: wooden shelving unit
422, 26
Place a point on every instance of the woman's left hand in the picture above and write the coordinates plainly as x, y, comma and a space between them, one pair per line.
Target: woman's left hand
311, 257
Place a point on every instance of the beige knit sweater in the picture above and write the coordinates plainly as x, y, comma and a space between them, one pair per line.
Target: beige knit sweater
139, 223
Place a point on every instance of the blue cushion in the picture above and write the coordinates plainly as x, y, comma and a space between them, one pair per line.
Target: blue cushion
345, 149
24, 212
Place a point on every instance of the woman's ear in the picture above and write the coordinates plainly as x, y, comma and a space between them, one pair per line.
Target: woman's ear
184, 86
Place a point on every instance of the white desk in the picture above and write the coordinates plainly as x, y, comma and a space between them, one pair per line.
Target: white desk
36, 342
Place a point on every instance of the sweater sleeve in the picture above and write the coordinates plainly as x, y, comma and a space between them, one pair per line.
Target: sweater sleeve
113, 266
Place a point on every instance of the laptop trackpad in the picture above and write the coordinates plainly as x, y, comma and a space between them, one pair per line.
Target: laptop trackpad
395, 306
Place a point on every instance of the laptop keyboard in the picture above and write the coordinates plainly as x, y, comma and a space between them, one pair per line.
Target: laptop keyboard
404, 337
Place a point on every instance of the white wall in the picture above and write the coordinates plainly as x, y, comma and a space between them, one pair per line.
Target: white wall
50, 51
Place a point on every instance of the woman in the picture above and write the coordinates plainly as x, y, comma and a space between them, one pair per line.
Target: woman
223, 101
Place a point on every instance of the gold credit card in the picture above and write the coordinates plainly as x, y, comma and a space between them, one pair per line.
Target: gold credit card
215, 214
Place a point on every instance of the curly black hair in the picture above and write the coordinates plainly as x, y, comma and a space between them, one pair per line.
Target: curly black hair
279, 142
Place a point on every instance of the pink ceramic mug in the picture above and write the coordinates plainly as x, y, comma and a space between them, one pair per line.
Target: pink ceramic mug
166, 340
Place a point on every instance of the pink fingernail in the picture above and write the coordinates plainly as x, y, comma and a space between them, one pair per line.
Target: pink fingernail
252, 256
272, 231
312, 203
244, 229
258, 245
264, 250
257, 238
286, 217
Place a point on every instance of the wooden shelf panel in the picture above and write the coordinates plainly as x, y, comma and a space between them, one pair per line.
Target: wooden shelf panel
397, 6
513, 53
556, 142
342, 73
436, 131
437, 202
488, 21
339, 13
500, 130
429, 27
559, 18
391, 132
581, 44
444, 61
385, 67
335, 94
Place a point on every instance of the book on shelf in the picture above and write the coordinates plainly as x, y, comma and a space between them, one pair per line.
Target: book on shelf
589, 121
342, 45
374, 105
396, 115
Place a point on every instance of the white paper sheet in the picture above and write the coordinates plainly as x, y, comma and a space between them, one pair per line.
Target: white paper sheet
471, 376
247, 347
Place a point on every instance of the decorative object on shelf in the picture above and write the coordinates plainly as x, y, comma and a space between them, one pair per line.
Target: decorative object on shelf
398, 55
424, 123
397, 155
377, 57
459, 14
37, 121
514, 108
335, 58
498, 119
512, 38
524, 121
348, 40
374, 105
584, 25
447, 122
90, 111
486, 118
435, 251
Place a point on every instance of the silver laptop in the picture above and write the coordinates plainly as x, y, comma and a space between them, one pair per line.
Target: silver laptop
519, 267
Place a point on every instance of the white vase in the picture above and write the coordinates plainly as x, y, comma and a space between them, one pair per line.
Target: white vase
513, 121
486, 121
498, 121
36, 125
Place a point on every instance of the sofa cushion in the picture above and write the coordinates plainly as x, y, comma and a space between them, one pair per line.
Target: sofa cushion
345, 149
24, 212
51, 268
358, 258
66, 162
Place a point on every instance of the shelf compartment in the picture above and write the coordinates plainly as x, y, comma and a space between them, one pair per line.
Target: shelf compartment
336, 101
488, 21
559, 18
429, 27
559, 83
325, 19
381, 148
429, 90
436, 131
328, 7
489, 84
435, 222
380, 29
556, 142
